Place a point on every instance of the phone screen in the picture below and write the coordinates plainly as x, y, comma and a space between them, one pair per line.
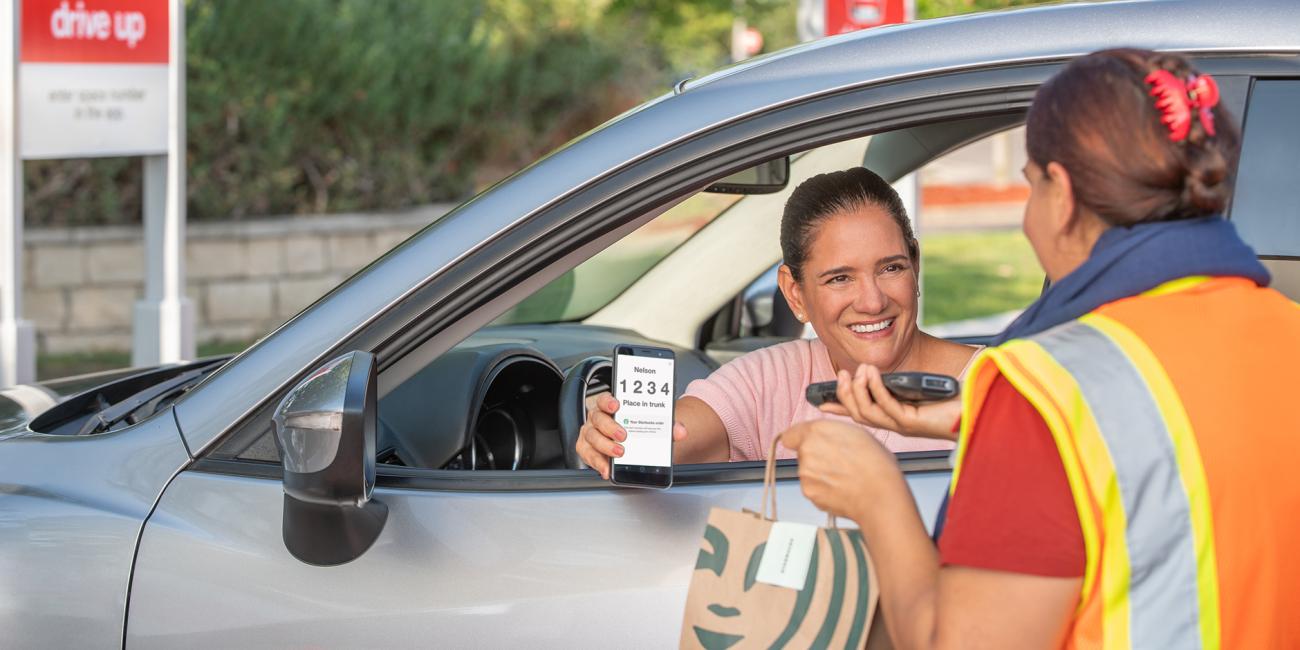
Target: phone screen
643, 385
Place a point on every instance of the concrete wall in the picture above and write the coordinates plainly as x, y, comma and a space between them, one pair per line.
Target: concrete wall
244, 277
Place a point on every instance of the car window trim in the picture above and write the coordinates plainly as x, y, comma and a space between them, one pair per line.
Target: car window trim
542, 480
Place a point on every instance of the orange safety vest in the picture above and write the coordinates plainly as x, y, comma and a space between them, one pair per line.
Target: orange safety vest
1177, 417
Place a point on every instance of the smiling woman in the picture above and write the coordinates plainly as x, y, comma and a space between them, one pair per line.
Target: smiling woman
851, 272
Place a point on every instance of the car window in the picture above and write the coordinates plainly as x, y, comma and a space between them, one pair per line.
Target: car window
977, 268
1264, 208
581, 291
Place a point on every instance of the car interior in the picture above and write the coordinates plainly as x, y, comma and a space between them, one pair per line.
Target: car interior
502, 392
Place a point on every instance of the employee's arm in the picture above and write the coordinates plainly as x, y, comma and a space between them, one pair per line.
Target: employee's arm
925, 605
698, 437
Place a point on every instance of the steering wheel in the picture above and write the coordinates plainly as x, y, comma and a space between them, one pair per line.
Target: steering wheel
573, 403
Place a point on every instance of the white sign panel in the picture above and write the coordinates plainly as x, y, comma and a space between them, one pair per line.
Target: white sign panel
93, 78
120, 110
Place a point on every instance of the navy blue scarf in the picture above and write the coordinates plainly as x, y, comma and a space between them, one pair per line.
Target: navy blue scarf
1128, 261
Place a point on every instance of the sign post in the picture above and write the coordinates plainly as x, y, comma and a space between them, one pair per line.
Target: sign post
101, 78
17, 337
164, 319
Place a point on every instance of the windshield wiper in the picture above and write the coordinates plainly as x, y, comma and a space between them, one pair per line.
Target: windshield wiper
142, 404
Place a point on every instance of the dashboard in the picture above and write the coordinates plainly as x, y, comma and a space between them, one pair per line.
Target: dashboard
492, 402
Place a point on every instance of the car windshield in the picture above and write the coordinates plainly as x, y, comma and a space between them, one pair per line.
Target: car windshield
582, 291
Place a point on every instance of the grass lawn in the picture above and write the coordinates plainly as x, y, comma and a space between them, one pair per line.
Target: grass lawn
54, 366
981, 273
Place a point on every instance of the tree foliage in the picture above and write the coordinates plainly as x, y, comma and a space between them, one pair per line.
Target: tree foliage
694, 36
939, 8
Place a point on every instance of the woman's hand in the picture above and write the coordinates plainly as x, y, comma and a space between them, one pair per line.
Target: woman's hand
599, 438
843, 469
863, 397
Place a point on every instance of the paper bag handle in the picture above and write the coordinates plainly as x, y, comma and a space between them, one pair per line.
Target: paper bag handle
769, 481
769, 486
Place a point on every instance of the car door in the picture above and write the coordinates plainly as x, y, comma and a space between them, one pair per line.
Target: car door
518, 564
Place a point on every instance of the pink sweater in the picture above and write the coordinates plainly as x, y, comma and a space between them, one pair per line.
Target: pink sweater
762, 393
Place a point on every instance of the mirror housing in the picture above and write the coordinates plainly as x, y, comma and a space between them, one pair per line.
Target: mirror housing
767, 178
325, 429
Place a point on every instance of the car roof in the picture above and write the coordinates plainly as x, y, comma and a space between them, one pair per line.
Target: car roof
1037, 33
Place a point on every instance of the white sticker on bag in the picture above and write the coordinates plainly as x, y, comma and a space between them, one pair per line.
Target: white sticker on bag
787, 555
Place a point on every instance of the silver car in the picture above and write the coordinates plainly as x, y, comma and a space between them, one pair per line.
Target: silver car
393, 467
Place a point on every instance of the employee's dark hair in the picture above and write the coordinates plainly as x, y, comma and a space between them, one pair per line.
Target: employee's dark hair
1098, 120
824, 195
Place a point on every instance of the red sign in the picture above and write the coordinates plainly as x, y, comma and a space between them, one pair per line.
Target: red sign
851, 15
94, 31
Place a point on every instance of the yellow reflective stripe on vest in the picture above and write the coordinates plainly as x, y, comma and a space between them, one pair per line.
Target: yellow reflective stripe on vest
1011, 360
1156, 591
1174, 286
1191, 469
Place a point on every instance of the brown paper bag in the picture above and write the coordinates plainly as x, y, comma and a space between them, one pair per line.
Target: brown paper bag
727, 607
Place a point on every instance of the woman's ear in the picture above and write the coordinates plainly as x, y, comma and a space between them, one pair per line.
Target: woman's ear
1064, 210
793, 294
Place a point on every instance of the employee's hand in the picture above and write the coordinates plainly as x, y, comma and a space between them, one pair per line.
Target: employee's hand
599, 439
843, 469
863, 397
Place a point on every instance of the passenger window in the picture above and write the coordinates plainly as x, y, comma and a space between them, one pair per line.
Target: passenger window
977, 269
1264, 207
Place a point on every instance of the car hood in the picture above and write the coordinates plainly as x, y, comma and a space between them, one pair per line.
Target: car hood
22, 403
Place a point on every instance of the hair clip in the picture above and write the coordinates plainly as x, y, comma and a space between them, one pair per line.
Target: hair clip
1176, 99
1203, 93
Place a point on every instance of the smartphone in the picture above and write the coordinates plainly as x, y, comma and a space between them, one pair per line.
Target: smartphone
906, 386
643, 386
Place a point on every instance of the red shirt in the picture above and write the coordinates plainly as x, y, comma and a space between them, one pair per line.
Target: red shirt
1013, 510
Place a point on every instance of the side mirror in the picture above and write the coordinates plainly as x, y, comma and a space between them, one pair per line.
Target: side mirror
767, 178
325, 428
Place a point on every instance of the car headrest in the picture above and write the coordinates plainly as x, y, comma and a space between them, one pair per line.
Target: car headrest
783, 321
